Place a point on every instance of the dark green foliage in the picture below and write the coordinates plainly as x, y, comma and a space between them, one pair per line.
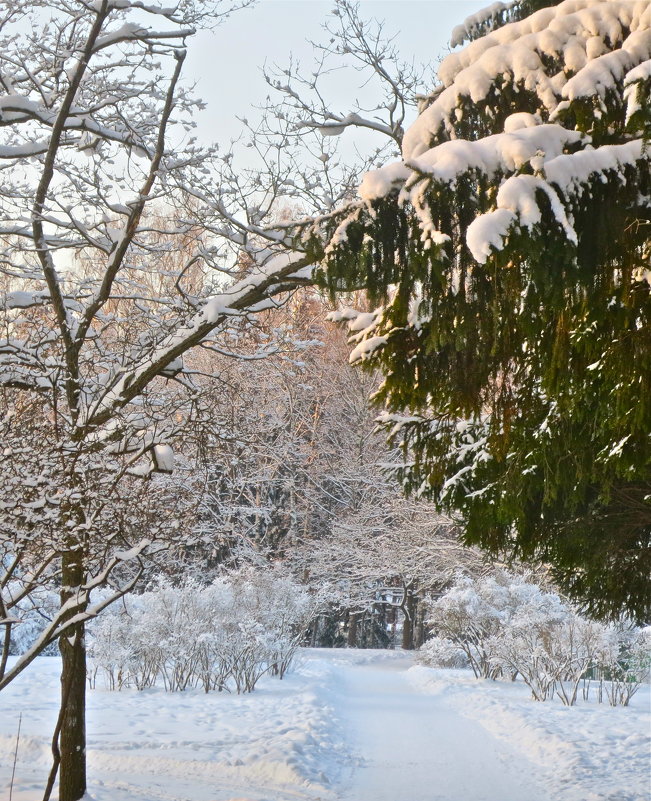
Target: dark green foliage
521, 390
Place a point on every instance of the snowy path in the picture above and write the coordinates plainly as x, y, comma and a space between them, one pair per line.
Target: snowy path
344, 726
414, 747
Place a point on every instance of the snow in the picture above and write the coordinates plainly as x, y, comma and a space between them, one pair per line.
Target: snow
163, 458
345, 726
604, 48
595, 752
379, 183
603, 73
129, 30
21, 299
23, 151
516, 203
468, 27
570, 172
499, 152
632, 83
366, 349
517, 50
519, 120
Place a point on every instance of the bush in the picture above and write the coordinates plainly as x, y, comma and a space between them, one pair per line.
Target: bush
505, 625
474, 613
442, 653
223, 636
626, 666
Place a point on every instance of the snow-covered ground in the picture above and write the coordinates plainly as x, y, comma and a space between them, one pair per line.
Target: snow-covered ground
346, 725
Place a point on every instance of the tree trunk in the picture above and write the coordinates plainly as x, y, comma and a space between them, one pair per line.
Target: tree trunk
392, 618
72, 737
419, 630
409, 609
6, 640
379, 626
353, 619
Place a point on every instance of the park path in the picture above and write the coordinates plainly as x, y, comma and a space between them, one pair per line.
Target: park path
411, 746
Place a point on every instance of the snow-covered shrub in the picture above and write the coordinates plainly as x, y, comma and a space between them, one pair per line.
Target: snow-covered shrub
553, 650
173, 618
222, 636
625, 665
527, 643
112, 648
506, 625
556, 651
472, 614
212, 667
283, 608
442, 653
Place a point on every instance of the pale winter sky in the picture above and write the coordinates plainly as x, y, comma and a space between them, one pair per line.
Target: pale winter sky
226, 64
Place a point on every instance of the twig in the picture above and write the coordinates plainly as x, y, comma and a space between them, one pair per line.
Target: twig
13, 770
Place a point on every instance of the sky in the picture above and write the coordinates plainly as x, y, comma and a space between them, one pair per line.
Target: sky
226, 64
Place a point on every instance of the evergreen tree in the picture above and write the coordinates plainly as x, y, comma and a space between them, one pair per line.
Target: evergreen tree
509, 255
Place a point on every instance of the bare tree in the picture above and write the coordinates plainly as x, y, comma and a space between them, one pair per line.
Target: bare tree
390, 85
312, 154
125, 247
96, 318
387, 552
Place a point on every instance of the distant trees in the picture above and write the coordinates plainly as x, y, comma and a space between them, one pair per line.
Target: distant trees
278, 467
295, 469
381, 559
508, 255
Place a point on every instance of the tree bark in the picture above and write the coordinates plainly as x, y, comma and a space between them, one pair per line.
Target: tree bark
6, 641
419, 629
351, 639
72, 737
409, 609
